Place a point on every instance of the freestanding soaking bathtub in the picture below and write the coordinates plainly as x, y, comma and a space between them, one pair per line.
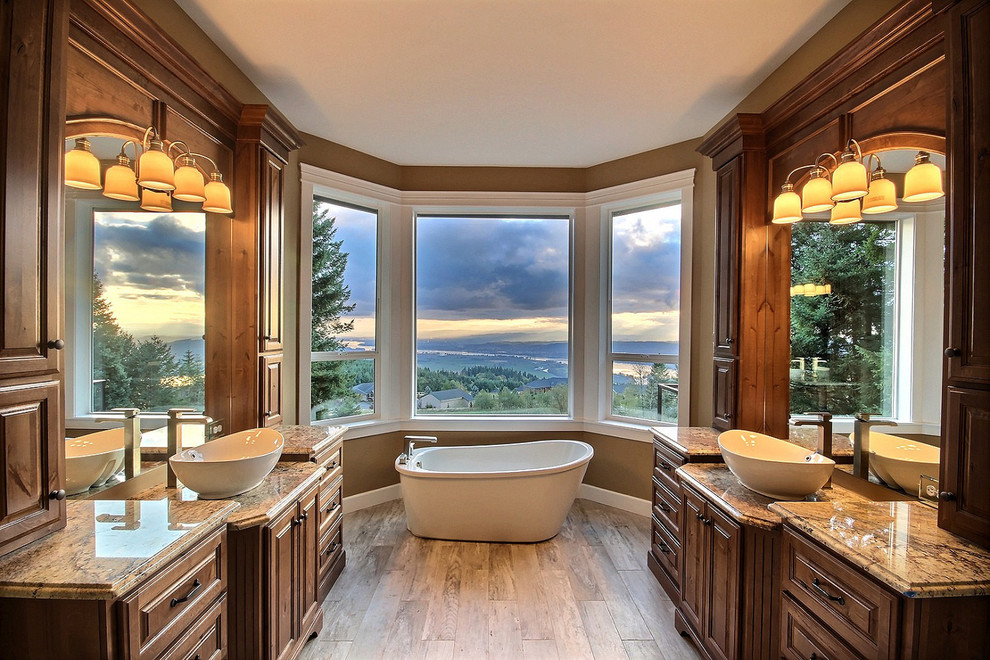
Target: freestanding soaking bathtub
513, 493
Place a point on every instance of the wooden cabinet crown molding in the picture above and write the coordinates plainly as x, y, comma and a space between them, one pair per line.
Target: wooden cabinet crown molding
743, 132
264, 124
158, 57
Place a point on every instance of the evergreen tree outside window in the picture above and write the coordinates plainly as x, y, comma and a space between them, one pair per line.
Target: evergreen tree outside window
344, 306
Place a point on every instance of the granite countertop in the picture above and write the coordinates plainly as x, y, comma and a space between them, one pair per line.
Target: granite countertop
108, 547
304, 443
718, 484
899, 543
259, 505
702, 441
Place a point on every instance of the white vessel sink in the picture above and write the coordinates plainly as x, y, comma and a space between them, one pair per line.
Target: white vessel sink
230, 465
90, 460
776, 468
901, 462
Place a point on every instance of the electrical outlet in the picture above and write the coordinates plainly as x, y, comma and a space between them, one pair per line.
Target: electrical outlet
214, 429
928, 491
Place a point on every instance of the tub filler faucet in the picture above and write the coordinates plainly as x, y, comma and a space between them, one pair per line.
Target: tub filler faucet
823, 420
406, 456
177, 417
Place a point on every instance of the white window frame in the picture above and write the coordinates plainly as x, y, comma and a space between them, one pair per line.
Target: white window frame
342, 192
589, 381
534, 212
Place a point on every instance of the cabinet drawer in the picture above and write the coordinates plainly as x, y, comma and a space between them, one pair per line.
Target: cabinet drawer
333, 464
665, 461
167, 604
854, 607
207, 639
331, 546
802, 636
667, 550
666, 507
330, 505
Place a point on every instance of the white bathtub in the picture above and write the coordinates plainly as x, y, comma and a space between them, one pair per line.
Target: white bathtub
513, 493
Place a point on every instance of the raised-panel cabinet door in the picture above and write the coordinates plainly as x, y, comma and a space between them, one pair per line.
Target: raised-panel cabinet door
31, 201
724, 392
309, 538
272, 245
32, 499
721, 624
965, 498
283, 601
271, 390
727, 192
968, 315
695, 564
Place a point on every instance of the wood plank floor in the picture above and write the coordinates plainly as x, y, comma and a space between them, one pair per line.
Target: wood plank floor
586, 593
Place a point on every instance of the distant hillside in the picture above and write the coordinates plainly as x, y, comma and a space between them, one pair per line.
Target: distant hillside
194, 344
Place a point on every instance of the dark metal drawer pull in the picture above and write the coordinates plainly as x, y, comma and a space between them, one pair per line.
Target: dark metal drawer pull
195, 587
664, 548
664, 465
333, 505
816, 585
332, 549
332, 465
663, 506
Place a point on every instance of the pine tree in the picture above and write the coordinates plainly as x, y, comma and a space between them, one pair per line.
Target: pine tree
153, 371
331, 298
191, 381
112, 348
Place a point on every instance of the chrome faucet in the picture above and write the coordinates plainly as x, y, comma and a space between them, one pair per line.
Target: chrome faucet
131, 418
176, 418
823, 420
861, 442
406, 456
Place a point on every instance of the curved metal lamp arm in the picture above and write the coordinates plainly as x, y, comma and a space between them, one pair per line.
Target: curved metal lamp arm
872, 156
818, 161
853, 142
144, 141
798, 169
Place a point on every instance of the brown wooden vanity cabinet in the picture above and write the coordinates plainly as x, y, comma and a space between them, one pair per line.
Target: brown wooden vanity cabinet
710, 575
331, 513
32, 59
293, 603
665, 553
179, 611
965, 505
832, 609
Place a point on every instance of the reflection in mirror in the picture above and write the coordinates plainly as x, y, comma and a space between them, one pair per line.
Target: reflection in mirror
866, 312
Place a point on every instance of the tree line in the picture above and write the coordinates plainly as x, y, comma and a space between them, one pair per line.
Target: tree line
139, 374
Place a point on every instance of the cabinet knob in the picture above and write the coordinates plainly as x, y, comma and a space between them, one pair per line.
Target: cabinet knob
951, 352
729, 340
56, 344
267, 337
268, 413
57, 495
946, 496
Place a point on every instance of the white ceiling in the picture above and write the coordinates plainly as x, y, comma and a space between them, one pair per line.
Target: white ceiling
566, 83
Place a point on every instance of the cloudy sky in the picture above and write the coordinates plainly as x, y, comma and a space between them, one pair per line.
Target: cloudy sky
153, 268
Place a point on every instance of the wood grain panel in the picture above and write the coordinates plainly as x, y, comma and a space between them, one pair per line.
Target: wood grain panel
271, 392
965, 458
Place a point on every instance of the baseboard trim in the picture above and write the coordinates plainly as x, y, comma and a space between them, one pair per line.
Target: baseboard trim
616, 500
587, 492
372, 497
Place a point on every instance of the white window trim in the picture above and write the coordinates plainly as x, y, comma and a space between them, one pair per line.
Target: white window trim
395, 408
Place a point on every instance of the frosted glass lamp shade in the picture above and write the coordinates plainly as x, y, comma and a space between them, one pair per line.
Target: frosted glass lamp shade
152, 200
82, 168
217, 196
787, 206
155, 169
849, 180
189, 184
816, 196
121, 182
846, 213
923, 182
881, 198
